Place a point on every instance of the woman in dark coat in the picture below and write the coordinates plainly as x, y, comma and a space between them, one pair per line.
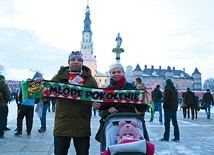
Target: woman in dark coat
118, 81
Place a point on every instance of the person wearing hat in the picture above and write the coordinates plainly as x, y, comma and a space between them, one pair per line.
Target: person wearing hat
118, 81
4, 99
208, 100
170, 106
45, 104
72, 117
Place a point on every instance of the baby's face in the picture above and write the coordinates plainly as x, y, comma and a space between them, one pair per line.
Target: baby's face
127, 136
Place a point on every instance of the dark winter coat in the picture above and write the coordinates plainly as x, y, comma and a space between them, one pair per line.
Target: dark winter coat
4, 93
103, 111
208, 98
72, 117
189, 98
120, 106
170, 99
157, 95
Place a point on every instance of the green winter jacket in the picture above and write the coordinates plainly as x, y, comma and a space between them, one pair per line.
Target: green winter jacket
4, 93
72, 117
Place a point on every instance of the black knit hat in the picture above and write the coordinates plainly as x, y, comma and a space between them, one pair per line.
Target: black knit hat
2, 77
75, 54
168, 81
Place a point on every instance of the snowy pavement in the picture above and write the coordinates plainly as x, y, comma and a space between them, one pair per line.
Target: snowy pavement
197, 136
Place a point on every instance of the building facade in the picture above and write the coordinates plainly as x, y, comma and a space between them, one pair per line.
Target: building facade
153, 76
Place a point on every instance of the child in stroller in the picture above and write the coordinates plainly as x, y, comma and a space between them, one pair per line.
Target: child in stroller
123, 134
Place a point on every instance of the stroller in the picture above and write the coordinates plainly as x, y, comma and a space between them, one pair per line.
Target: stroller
110, 131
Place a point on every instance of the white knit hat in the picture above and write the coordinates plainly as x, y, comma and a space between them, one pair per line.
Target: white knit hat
116, 65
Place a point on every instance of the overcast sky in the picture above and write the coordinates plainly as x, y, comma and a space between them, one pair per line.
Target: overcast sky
39, 34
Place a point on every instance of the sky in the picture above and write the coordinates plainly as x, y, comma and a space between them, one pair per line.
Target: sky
38, 35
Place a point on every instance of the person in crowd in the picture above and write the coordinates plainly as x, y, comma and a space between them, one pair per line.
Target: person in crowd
18, 101
190, 101
129, 133
4, 100
141, 86
49, 106
197, 107
53, 103
118, 81
45, 104
6, 128
208, 101
138, 83
184, 106
72, 117
157, 100
170, 106
26, 110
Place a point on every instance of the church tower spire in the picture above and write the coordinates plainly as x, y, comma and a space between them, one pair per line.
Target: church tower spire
89, 59
87, 21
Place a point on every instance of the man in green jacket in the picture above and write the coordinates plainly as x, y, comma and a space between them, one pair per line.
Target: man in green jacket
4, 99
72, 117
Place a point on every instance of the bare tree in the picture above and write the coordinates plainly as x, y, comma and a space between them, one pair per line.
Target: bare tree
2, 69
209, 84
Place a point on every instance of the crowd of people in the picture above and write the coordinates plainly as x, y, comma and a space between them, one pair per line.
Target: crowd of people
25, 109
72, 117
191, 104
